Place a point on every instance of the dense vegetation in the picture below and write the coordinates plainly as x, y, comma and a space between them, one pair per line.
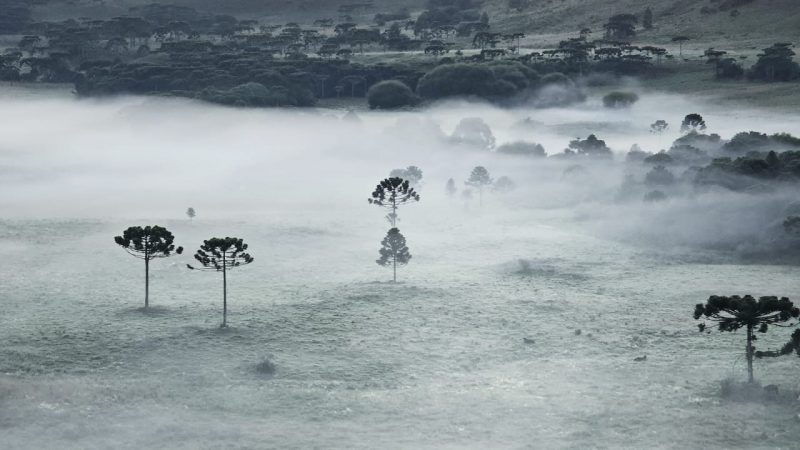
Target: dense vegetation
167, 49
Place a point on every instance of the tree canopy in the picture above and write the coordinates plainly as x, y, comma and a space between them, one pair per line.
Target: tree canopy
735, 312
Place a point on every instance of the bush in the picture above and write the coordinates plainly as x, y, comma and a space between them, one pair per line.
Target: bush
620, 99
390, 94
557, 78
463, 80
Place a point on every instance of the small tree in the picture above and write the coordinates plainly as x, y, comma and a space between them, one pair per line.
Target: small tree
148, 243
693, 122
732, 313
680, 40
191, 213
479, 178
450, 187
659, 126
393, 251
391, 193
222, 255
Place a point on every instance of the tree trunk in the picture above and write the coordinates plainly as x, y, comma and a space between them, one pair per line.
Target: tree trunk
394, 278
480, 196
146, 283
224, 293
750, 352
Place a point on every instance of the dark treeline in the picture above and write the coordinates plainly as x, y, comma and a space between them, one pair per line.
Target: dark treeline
176, 50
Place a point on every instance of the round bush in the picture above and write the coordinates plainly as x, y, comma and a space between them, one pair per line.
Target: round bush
390, 94
463, 80
620, 99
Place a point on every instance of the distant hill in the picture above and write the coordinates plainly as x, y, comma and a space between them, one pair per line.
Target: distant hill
727, 23
743, 21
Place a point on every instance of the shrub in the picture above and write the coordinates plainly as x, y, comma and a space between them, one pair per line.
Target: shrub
463, 80
620, 99
390, 94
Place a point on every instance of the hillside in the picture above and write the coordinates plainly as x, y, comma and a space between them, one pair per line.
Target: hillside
712, 22
734, 24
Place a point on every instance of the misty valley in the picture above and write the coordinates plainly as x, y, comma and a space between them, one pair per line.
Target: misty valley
422, 224
564, 294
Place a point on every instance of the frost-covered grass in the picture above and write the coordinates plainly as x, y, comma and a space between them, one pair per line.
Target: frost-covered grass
438, 360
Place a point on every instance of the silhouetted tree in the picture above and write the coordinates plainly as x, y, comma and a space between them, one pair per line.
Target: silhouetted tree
222, 255
680, 40
693, 122
191, 213
776, 63
148, 243
393, 251
479, 178
391, 193
732, 313
591, 146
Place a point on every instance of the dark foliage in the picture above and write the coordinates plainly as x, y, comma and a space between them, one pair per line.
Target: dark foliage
693, 122
775, 63
732, 313
148, 243
391, 193
222, 255
591, 146
393, 251
620, 99
391, 94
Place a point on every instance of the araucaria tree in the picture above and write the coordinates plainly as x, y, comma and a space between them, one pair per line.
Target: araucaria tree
222, 255
732, 313
148, 243
693, 122
479, 178
393, 251
391, 193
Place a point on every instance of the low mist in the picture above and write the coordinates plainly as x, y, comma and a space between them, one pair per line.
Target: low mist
150, 158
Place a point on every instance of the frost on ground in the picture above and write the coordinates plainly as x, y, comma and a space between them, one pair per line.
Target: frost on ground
475, 347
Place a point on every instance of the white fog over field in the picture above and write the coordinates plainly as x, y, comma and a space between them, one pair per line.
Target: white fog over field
517, 323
